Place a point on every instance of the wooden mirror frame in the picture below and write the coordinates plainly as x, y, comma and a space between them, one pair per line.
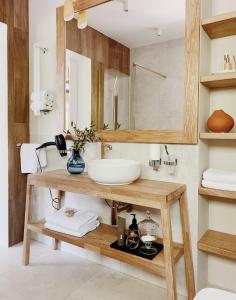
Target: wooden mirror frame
189, 134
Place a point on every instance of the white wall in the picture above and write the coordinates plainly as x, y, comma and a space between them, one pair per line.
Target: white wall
3, 136
221, 7
42, 23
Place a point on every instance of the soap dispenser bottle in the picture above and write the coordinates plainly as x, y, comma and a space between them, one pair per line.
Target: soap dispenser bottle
132, 241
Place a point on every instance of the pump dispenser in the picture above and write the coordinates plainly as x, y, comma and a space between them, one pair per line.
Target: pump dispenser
134, 225
132, 241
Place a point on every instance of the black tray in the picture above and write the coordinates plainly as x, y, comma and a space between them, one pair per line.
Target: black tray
136, 252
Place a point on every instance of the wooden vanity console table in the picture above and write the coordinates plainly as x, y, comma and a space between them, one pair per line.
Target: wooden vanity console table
145, 193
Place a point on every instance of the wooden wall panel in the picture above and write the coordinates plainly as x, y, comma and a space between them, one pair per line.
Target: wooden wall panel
3, 11
21, 88
97, 94
97, 46
20, 19
15, 14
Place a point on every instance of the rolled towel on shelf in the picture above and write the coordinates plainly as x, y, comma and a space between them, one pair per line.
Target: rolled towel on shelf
220, 176
75, 222
219, 186
79, 233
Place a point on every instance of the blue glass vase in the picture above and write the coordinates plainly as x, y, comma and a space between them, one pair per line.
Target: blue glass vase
75, 164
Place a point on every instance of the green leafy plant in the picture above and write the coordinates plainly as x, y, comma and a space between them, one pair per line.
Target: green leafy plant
82, 137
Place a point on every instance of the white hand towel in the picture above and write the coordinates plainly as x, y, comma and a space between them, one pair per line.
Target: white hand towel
220, 176
75, 222
79, 233
29, 160
219, 186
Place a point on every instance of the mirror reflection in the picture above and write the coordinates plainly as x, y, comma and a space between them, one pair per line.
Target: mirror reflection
128, 65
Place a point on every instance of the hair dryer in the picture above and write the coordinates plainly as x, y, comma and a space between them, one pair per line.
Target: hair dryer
60, 144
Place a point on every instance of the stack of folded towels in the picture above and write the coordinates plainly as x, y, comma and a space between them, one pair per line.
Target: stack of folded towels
72, 221
220, 180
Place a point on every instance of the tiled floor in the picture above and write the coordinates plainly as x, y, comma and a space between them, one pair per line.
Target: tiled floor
56, 275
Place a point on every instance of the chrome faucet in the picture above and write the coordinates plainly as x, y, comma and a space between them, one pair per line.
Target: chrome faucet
107, 147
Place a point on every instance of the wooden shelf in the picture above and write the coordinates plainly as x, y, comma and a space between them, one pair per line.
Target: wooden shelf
99, 241
217, 193
146, 193
220, 26
217, 136
219, 81
218, 243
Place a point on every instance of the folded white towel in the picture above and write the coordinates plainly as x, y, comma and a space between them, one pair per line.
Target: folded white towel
220, 176
80, 233
219, 186
75, 222
29, 160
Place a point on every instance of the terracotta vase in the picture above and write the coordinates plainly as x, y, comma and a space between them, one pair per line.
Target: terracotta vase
220, 121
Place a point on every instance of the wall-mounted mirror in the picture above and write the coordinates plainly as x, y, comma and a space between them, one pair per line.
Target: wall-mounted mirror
130, 71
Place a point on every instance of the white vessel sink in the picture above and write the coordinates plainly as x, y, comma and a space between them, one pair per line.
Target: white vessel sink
114, 171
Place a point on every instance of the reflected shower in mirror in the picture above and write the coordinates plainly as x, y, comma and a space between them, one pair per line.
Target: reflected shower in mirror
125, 71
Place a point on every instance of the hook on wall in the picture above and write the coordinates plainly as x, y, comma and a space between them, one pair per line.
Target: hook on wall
43, 49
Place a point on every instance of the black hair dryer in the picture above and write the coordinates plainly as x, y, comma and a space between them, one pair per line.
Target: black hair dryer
60, 144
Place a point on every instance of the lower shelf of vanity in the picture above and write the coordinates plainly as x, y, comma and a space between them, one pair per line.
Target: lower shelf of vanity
99, 241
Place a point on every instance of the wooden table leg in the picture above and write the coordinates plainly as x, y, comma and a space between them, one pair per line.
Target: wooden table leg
168, 253
189, 272
58, 206
28, 218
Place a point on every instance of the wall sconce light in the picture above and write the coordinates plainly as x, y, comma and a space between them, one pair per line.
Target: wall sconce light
68, 10
69, 14
82, 19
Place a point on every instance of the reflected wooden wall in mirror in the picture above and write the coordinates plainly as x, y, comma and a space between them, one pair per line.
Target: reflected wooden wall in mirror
133, 74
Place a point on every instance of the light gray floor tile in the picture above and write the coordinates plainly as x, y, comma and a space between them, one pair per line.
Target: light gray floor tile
56, 275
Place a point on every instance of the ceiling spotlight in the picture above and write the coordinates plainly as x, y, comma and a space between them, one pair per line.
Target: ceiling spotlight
126, 5
158, 32
68, 10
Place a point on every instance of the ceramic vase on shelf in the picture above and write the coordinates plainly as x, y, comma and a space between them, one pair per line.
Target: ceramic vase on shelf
220, 121
75, 164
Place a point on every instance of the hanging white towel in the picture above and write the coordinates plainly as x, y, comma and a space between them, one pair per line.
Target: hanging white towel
79, 233
75, 222
220, 176
219, 186
29, 160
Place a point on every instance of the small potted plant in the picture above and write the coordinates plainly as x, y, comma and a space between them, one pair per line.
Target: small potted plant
79, 138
